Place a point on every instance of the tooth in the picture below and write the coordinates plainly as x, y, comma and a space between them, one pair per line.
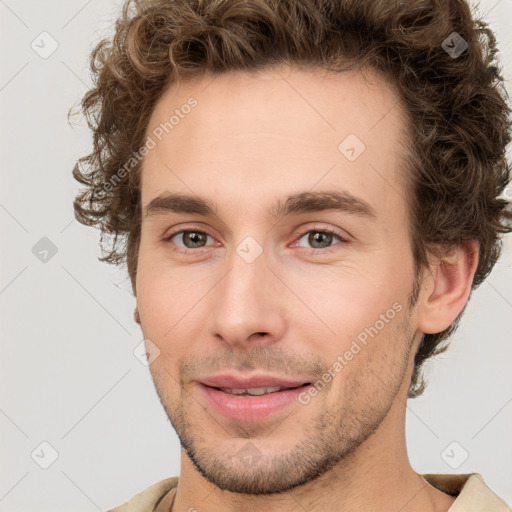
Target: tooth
251, 391
234, 391
257, 391
262, 391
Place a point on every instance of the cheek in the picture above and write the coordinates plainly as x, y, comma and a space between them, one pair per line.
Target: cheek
163, 297
358, 328
343, 301
160, 284
174, 303
372, 366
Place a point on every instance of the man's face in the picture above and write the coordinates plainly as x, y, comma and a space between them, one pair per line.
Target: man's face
276, 300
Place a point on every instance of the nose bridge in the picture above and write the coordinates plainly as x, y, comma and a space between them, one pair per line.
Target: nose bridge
245, 303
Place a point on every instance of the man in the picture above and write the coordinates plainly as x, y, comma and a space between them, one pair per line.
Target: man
309, 193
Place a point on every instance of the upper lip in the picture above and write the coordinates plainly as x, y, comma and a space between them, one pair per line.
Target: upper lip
254, 381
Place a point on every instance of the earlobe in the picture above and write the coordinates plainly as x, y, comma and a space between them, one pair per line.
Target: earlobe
448, 288
136, 316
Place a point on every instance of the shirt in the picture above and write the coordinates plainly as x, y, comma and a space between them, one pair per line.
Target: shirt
473, 495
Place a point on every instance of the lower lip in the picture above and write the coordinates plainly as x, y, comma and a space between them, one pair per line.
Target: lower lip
250, 408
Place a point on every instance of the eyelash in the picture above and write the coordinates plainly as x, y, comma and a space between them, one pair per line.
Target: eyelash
297, 235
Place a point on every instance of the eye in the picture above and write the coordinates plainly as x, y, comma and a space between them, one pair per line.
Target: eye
190, 239
320, 239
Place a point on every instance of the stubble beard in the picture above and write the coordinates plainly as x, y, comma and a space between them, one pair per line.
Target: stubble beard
327, 439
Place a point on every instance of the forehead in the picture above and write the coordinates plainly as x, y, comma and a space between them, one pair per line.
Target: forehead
282, 128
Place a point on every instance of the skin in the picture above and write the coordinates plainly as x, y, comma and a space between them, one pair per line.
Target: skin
253, 139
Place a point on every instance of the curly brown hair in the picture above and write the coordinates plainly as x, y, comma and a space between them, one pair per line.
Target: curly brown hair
455, 101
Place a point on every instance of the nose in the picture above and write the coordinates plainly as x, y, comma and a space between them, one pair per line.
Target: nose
249, 304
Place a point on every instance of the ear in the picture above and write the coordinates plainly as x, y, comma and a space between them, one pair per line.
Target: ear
446, 288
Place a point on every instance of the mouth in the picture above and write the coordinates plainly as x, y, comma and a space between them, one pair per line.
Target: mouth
257, 391
251, 404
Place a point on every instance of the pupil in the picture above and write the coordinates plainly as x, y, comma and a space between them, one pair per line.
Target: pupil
317, 236
193, 237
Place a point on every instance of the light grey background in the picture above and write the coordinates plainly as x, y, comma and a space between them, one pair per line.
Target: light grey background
68, 374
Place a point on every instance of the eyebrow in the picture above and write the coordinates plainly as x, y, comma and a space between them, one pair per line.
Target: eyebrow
294, 204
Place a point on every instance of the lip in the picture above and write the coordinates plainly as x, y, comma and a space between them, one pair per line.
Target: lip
254, 381
250, 408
